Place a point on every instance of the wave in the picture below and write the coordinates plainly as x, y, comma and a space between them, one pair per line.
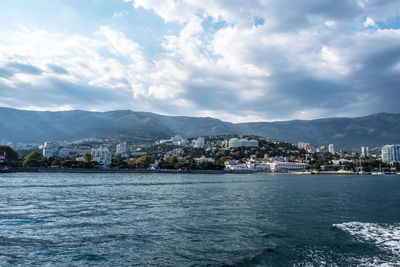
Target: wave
386, 237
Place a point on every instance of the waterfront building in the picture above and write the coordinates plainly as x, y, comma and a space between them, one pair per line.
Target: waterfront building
288, 166
50, 150
331, 149
235, 142
391, 153
102, 156
258, 167
63, 153
364, 152
236, 167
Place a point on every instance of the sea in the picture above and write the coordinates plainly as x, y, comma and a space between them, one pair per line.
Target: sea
128, 219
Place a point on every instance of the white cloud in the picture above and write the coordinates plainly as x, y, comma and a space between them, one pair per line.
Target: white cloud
330, 23
369, 22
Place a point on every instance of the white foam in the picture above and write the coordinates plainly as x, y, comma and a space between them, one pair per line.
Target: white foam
385, 236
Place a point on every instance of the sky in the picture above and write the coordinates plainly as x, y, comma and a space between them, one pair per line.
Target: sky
255, 60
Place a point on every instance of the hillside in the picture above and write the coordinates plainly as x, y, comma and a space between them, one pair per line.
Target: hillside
37, 126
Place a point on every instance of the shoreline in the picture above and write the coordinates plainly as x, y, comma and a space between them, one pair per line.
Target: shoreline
179, 171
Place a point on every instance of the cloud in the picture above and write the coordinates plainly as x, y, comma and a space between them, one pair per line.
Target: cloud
369, 22
235, 60
24, 68
58, 69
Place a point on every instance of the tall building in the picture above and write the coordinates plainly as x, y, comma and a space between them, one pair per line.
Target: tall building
364, 152
331, 149
302, 145
391, 153
199, 142
50, 150
121, 148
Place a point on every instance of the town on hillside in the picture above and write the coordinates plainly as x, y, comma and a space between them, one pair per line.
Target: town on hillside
233, 153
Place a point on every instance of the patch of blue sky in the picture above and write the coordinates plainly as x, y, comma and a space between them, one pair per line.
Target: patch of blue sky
258, 21
211, 26
391, 23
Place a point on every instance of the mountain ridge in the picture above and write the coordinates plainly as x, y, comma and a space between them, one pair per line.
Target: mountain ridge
345, 132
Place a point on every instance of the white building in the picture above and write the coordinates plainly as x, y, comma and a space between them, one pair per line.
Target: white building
102, 156
278, 159
200, 142
53, 150
178, 140
302, 145
258, 167
177, 152
364, 152
50, 150
236, 167
63, 152
204, 159
121, 149
391, 153
234, 142
331, 149
340, 161
288, 166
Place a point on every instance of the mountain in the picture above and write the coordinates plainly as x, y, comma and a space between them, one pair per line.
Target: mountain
348, 133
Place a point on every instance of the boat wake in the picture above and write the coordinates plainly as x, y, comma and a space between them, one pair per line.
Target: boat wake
386, 237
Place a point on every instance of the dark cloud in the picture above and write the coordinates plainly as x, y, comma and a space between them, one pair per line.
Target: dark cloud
58, 69
6, 73
58, 92
24, 68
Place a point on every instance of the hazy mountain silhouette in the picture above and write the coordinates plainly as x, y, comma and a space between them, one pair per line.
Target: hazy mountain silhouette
38, 126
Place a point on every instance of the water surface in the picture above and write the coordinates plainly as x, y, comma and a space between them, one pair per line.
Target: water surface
60, 219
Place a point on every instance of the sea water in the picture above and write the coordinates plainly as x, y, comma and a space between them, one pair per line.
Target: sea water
63, 219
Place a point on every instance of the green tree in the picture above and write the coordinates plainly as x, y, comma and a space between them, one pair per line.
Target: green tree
183, 165
220, 154
315, 167
189, 159
132, 163
144, 161
70, 163
171, 160
87, 157
223, 159
210, 166
34, 159
56, 162
10, 154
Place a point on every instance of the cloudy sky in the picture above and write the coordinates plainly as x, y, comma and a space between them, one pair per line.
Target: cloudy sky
255, 60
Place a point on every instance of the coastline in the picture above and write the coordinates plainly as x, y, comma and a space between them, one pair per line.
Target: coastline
82, 170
